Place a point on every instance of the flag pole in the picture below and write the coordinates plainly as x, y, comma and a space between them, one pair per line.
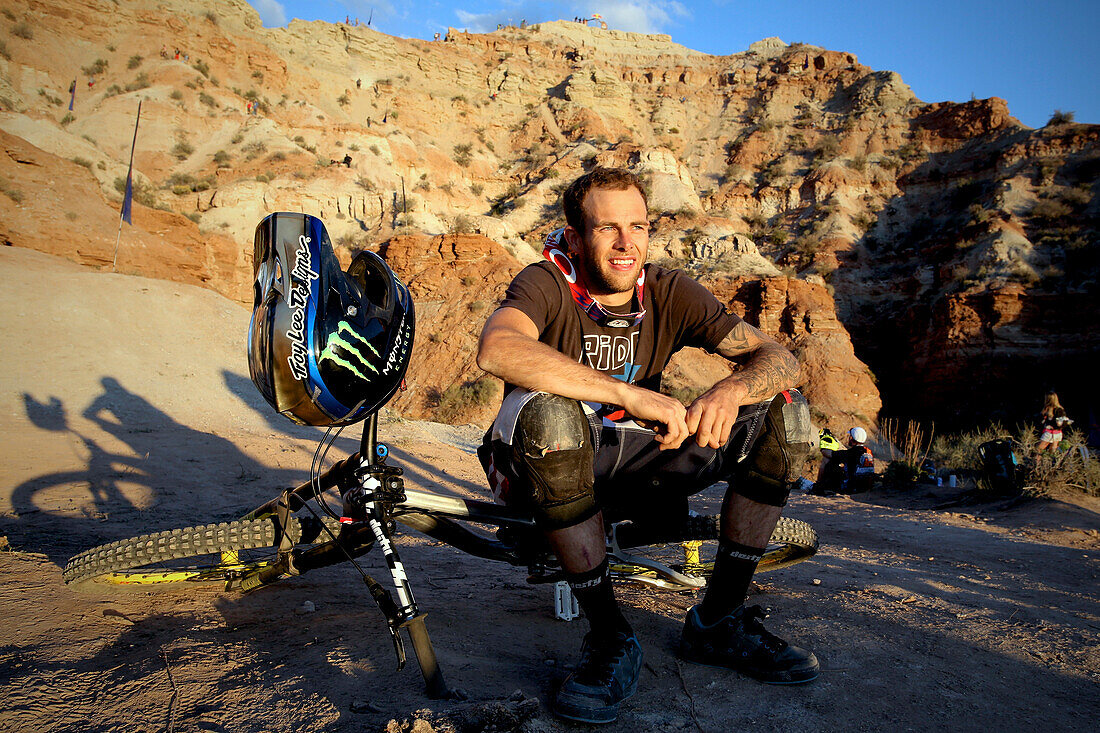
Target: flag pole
128, 197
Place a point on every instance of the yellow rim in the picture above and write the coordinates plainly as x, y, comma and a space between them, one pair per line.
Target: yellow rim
192, 575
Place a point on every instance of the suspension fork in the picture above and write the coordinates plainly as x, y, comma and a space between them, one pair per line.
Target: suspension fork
382, 486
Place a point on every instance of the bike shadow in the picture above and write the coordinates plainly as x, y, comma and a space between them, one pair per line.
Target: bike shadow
141, 471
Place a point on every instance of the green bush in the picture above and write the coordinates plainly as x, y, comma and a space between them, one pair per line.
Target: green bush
221, 158
135, 61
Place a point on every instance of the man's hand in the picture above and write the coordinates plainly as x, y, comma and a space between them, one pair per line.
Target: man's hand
663, 414
711, 417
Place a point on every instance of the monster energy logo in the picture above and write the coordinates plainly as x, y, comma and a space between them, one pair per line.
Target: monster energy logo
353, 346
301, 276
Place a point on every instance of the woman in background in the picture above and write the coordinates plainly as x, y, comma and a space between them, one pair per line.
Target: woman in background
1054, 419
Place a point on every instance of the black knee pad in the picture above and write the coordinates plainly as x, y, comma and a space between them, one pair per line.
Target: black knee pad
552, 450
781, 449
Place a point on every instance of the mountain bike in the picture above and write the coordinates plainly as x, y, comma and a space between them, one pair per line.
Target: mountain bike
287, 536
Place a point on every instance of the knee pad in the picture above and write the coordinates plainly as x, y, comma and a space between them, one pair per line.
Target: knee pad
775, 461
552, 450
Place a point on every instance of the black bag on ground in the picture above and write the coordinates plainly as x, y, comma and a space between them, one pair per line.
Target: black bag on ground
1001, 465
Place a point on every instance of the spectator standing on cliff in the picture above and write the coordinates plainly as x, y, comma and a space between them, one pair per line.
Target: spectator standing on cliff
1054, 419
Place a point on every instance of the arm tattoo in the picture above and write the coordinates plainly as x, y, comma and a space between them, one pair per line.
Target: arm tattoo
771, 370
768, 368
736, 341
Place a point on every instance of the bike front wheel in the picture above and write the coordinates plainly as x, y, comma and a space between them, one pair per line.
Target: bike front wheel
207, 553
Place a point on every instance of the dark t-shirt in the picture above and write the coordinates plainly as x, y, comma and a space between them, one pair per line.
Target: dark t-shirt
679, 312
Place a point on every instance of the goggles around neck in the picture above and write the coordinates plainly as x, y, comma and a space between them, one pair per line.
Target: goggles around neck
555, 251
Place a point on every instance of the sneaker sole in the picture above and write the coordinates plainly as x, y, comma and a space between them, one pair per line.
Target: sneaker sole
594, 716
802, 681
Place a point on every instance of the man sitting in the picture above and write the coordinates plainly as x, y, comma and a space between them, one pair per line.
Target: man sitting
580, 341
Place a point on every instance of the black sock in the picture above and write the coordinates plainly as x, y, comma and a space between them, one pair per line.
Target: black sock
734, 566
596, 598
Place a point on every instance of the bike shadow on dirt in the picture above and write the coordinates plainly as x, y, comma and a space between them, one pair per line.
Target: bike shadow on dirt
143, 472
419, 472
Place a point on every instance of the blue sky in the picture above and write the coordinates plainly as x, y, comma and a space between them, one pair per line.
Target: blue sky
1040, 56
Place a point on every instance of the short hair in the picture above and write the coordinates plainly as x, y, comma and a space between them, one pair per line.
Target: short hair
615, 179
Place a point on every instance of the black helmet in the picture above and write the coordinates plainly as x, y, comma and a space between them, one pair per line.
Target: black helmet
325, 347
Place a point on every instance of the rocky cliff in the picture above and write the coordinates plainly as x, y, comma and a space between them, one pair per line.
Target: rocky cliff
959, 247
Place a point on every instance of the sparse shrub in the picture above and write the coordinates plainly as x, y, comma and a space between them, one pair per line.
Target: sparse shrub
863, 221
209, 15
1060, 118
82, 161
353, 148
9, 15
202, 67
374, 150
141, 81
258, 76
95, 69
236, 138
343, 100
207, 100
686, 394
176, 95
857, 163
4, 50
462, 225
827, 148
143, 194
277, 156
67, 119
462, 154
1050, 209
254, 149
182, 150
22, 30
221, 158
181, 190
134, 61
476, 189
459, 399
12, 193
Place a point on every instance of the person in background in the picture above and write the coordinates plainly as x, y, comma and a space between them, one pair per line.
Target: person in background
1054, 419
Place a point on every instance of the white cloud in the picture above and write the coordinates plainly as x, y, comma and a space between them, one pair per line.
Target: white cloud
272, 13
640, 16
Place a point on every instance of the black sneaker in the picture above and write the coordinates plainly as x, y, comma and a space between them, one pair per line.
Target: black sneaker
607, 675
740, 642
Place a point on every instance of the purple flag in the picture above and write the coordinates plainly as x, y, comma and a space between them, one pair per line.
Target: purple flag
128, 198
72, 95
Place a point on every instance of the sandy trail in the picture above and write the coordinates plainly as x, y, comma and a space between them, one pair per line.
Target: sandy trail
126, 408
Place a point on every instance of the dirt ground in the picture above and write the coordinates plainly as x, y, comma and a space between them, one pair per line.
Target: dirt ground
126, 408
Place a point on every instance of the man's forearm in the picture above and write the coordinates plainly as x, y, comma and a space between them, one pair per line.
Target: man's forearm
770, 370
535, 366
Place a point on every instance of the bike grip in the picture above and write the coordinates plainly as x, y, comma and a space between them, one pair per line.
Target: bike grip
425, 656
